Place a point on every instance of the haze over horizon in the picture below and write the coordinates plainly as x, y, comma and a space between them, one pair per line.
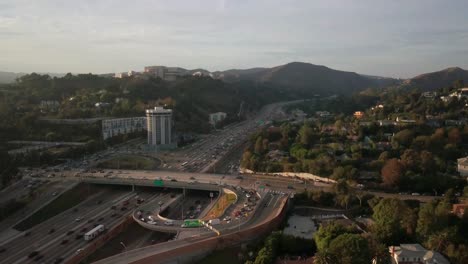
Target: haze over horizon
394, 39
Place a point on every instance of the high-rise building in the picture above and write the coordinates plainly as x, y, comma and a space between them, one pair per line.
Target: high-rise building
159, 124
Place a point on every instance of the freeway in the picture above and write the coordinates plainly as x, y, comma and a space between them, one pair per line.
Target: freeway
36, 237
202, 155
248, 181
59, 237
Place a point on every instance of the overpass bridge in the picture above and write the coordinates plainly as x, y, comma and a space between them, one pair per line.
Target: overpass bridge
154, 183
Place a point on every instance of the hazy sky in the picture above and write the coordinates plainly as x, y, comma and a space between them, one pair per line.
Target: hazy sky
398, 38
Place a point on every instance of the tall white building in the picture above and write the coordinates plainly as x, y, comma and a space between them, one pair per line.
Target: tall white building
159, 124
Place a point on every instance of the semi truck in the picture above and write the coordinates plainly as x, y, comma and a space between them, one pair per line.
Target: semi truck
93, 233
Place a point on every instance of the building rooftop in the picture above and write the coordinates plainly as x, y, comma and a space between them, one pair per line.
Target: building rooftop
159, 110
463, 161
416, 251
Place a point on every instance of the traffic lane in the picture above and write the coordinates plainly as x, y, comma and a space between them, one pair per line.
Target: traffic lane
56, 249
109, 222
61, 223
40, 235
44, 197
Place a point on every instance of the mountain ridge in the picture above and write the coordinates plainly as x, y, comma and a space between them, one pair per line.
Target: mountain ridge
438, 79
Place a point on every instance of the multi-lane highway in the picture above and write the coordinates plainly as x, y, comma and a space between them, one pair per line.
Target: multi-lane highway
200, 156
61, 236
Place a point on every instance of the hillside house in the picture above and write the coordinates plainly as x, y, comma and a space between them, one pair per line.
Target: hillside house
415, 254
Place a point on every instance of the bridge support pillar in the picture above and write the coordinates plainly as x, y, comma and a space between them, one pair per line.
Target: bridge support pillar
133, 187
183, 192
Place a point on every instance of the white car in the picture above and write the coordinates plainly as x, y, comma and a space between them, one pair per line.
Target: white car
151, 222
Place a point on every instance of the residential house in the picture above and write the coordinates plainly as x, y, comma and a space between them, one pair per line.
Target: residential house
402, 120
366, 123
415, 254
459, 209
323, 114
429, 95
453, 122
386, 123
358, 114
462, 166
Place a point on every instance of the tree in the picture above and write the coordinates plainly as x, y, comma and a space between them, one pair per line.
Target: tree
426, 220
440, 240
427, 162
404, 137
326, 234
305, 135
259, 145
351, 249
267, 254
325, 257
393, 220
391, 172
457, 254
410, 159
454, 136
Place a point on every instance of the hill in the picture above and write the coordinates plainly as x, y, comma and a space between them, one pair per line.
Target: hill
9, 77
305, 79
435, 80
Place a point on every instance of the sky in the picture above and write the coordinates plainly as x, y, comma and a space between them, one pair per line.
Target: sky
398, 38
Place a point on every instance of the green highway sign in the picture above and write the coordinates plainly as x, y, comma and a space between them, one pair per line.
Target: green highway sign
192, 223
158, 183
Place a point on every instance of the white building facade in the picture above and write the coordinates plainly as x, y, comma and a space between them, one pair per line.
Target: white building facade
159, 126
121, 126
165, 73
